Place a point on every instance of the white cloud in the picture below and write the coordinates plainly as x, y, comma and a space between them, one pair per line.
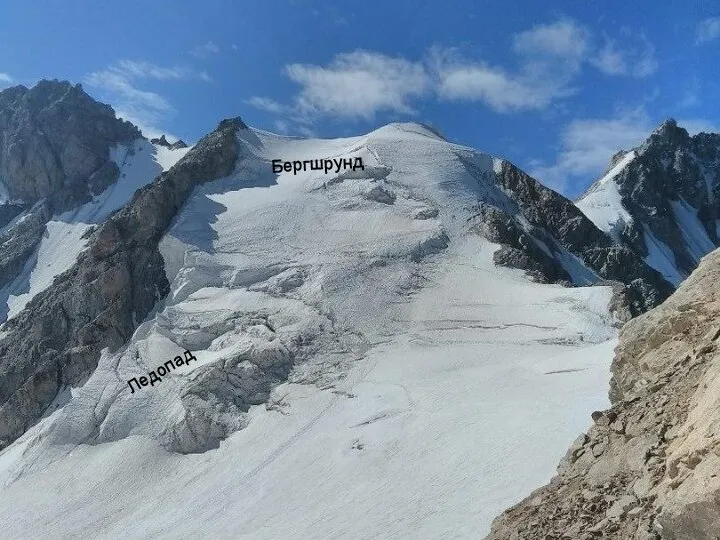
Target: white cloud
467, 81
549, 59
588, 144
131, 68
535, 86
358, 84
636, 58
5, 80
646, 63
563, 39
707, 30
145, 109
282, 127
147, 121
267, 104
205, 50
306, 131
610, 60
122, 86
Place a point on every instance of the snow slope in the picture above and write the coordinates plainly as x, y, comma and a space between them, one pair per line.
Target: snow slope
603, 203
661, 258
692, 230
63, 241
431, 390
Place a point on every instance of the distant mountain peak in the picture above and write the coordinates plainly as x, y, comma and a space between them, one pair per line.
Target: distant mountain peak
669, 124
667, 133
162, 141
662, 199
55, 141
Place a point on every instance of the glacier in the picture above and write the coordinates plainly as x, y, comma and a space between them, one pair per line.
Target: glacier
424, 380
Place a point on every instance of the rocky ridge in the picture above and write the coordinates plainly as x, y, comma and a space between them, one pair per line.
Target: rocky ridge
664, 201
544, 224
648, 467
56, 341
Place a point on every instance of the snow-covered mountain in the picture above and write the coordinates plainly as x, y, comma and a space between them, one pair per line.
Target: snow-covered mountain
374, 351
662, 199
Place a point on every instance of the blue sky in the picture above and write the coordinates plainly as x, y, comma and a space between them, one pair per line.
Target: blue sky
557, 90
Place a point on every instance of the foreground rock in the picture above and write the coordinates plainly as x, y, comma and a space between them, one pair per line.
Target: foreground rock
649, 467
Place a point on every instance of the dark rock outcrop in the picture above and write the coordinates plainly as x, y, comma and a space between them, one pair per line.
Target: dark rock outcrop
19, 241
113, 286
543, 231
162, 141
519, 248
55, 141
8, 212
670, 171
178, 144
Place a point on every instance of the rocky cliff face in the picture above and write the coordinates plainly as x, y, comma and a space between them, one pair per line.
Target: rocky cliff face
547, 235
19, 240
55, 141
648, 467
661, 199
56, 341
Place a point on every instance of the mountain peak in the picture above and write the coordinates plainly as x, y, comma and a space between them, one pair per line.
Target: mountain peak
668, 124
668, 133
47, 92
662, 199
56, 142
162, 141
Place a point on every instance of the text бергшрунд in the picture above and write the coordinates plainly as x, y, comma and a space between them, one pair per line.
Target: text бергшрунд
317, 165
